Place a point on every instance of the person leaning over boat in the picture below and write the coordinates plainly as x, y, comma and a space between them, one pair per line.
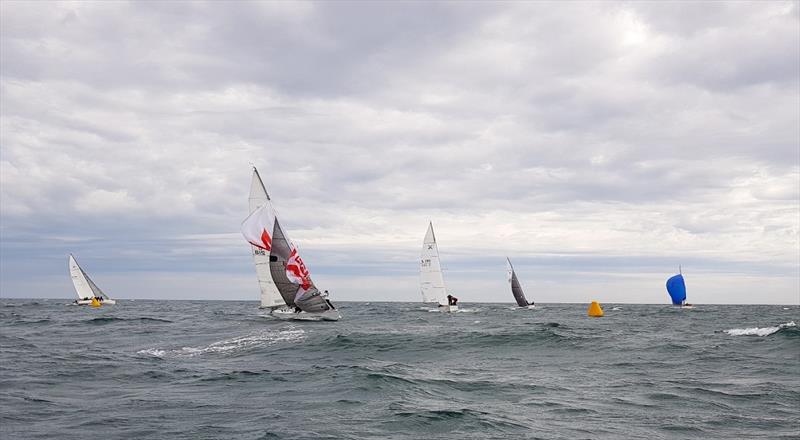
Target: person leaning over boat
325, 296
452, 300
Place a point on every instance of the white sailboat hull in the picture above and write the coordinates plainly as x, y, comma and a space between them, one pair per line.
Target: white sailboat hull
448, 309
328, 315
88, 302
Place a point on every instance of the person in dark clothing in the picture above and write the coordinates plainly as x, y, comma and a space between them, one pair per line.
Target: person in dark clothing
452, 300
297, 309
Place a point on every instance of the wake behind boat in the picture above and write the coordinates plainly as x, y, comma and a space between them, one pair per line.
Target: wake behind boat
676, 287
516, 288
286, 286
88, 292
431, 279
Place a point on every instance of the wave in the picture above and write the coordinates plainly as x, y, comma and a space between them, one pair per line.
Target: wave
108, 319
759, 331
548, 333
230, 345
436, 310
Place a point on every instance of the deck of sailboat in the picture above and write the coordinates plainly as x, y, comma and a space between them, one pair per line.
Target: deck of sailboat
286, 314
88, 302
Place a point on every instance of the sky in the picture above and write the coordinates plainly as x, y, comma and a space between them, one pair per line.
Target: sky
599, 145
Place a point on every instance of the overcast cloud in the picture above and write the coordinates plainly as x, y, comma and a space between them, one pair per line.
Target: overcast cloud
598, 145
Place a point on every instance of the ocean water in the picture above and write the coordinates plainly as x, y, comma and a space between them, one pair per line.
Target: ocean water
222, 370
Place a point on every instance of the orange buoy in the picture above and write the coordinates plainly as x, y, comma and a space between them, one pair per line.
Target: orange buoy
595, 311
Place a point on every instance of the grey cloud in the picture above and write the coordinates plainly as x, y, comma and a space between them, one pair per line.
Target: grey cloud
547, 127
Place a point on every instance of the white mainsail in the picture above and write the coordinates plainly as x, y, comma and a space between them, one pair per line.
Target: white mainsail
430, 271
283, 276
270, 296
84, 286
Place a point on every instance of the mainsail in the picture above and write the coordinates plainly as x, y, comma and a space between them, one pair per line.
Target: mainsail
430, 271
516, 288
677, 289
270, 296
84, 286
288, 274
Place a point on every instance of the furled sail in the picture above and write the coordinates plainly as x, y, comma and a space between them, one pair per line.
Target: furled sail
430, 271
677, 289
270, 296
516, 288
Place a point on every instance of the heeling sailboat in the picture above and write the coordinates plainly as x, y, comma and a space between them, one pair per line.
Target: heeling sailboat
516, 288
87, 290
676, 287
283, 276
431, 280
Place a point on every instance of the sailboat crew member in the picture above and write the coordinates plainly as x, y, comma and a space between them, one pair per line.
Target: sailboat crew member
452, 300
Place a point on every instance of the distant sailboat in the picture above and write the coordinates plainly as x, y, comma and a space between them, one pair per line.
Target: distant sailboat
88, 292
282, 276
516, 288
431, 279
676, 287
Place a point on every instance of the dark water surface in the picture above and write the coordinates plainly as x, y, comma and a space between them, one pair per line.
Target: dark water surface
217, 369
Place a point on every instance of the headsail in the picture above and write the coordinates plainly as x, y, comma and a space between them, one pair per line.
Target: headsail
516, 288
430, 271
84, 286
288, 274
677, 289
270, 297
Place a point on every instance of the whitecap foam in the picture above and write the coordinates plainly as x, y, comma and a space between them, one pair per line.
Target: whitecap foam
758, 331
234, 344
154, 352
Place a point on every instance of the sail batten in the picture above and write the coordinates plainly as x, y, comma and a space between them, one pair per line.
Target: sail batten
430, 271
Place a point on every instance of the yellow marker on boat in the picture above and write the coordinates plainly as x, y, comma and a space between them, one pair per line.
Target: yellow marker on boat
95, 303
595, 310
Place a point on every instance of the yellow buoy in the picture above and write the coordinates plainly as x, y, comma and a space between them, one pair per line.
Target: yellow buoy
95, 303
595, 310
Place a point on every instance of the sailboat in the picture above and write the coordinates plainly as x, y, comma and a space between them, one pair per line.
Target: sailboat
676, 287
87, 290
516, 288
430, 275
284, 279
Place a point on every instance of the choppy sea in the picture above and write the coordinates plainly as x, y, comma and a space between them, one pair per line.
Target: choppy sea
223, 370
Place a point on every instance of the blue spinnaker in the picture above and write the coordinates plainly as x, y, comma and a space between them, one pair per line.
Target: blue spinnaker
677, 289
